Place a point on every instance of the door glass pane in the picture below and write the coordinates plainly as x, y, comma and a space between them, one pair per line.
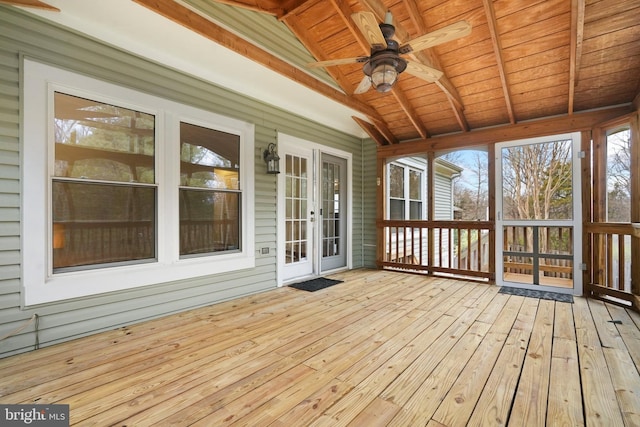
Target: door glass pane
537, 181
619, 175
296, 209
331, 209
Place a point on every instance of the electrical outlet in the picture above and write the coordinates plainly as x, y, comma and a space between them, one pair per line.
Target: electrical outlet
264, 251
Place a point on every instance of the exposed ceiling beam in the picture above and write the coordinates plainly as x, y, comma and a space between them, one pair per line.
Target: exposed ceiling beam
414, 15
31, 3
293, 7
345, 11
497, 49
409, 111
427, 57
271, 7
381, 126
197, 23
577, 36
371, 131
335, 72
482, 137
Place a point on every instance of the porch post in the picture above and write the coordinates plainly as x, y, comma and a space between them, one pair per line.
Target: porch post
599, 204
380, 210
587, 210
491, 166
635, 207
431, 209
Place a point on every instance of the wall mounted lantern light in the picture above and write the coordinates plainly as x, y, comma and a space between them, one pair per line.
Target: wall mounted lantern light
272, 159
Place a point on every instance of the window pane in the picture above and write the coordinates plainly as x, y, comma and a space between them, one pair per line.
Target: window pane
415, 210
209, 221
396, 181
415, 185
396, 209
105, 142
100, 224
208, 158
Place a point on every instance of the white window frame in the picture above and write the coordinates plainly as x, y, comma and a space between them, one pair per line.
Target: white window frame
39, 283
408, 165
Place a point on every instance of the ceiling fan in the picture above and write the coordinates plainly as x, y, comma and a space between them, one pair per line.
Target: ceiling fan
383, 66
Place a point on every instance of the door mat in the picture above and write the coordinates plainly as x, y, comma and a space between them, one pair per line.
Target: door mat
315, 284
532, 293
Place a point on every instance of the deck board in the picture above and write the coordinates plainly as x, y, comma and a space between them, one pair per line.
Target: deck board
381, 349
565, 397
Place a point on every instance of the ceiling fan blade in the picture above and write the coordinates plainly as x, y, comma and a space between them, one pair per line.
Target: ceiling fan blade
366, 22
445, 34
364, 85
423, 72
342, 61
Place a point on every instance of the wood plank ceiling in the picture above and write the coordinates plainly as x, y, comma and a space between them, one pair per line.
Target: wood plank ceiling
524, 59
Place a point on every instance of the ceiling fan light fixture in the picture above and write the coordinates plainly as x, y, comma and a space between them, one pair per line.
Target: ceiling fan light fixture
383, 77
383, 69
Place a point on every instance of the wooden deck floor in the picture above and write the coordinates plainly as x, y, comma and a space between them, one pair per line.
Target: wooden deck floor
382, 348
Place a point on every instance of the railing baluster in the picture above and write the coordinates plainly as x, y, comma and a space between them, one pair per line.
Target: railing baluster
621, 258
420, 246
609, 249
479, 249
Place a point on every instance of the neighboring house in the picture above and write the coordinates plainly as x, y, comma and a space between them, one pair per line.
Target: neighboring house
407, 190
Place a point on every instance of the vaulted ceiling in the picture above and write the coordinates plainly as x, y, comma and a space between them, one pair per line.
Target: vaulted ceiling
523, 59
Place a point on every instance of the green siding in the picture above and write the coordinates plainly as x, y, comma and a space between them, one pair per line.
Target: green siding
25, 34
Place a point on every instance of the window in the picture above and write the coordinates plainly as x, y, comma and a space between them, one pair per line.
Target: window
125, 189
396, 192
407, 189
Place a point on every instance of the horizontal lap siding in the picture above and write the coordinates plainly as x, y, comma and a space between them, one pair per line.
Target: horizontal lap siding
23, 34
443, 201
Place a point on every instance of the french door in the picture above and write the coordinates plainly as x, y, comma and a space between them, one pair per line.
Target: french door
313, 210
538, 214
333, 251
